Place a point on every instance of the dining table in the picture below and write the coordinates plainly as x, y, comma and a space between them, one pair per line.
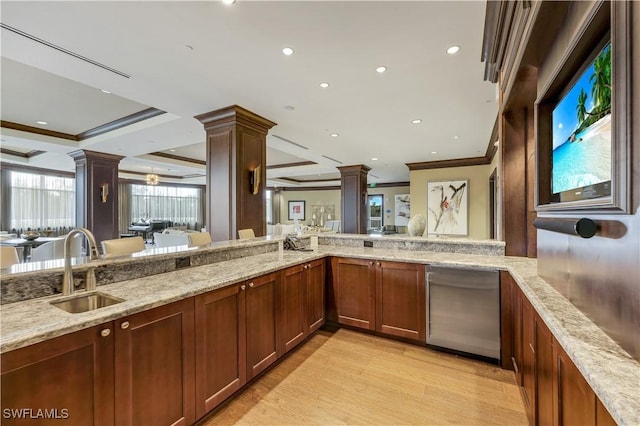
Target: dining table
27, 244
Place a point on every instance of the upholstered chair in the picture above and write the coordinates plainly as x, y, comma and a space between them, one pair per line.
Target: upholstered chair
8, 256
122, 246
243, 234
199, 238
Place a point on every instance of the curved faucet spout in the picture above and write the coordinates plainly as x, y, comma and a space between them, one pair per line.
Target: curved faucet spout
67, 277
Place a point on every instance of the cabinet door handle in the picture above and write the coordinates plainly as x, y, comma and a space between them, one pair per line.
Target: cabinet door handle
370, 263
105, 332
124, 325
251, 285
377, 263
306, 266
243, 287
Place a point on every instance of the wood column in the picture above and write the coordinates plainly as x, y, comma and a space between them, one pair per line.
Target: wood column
236, 157
97, 172
353, 198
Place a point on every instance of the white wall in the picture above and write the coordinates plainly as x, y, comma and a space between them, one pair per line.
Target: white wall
478, 177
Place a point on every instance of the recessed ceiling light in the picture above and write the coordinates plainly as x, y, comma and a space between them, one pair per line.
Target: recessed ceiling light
496, 143
172, 150
433, 152
105, 91
188, 47
287, 51
334, 135
453, 50
455, 137
324, 85
42, 122
416, 121
381, 69
374, 159
228, 1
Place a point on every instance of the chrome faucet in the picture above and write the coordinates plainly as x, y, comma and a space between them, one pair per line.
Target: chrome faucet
67, 277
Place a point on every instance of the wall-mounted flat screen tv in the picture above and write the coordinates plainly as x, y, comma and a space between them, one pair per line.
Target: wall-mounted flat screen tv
581, 120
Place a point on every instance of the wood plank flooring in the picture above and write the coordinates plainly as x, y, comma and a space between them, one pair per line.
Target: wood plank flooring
348, 377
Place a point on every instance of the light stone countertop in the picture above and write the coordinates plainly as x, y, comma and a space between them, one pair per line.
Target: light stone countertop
612, 373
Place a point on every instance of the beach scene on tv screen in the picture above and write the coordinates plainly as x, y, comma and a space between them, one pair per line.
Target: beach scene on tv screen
582, 129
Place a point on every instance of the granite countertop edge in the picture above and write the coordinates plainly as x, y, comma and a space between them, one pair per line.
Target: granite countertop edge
611, 372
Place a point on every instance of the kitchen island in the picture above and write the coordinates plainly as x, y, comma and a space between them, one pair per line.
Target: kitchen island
612, 374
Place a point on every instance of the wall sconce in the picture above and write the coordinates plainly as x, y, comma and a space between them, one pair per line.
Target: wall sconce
104, 192
254, 180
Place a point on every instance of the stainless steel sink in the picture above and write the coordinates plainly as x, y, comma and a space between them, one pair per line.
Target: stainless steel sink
86, 302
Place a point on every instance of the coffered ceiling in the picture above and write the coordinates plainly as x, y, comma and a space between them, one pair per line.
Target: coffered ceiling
165, 62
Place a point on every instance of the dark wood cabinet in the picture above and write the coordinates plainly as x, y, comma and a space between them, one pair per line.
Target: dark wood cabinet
388, 297
71, 376
544, 373
301, 309
315, 295
528, 385
575, 400
603, 418
154, 366
261, 323
293, 294
354, 292
400, 300
220, 346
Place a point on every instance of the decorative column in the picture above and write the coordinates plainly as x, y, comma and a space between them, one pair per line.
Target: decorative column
354, 198
236, 171
97, 193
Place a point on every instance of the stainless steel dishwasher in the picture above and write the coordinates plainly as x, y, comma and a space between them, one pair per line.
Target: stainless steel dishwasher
463, 310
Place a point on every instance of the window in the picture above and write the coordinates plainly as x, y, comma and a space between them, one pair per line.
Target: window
268, 208
41, 201
178, 204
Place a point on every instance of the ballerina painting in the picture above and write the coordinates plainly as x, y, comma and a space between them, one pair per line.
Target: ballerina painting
447, 205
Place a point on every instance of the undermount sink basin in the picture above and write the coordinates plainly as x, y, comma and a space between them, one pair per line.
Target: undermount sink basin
86, 302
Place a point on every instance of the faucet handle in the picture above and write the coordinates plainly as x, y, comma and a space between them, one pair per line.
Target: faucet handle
90, 280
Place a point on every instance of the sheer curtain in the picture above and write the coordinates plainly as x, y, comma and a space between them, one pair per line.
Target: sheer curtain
177, 204
41, 201
124, 207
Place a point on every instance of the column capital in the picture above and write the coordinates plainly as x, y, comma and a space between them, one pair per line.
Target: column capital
235, 114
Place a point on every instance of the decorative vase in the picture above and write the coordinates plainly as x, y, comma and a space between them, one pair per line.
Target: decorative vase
30, 235
416, 225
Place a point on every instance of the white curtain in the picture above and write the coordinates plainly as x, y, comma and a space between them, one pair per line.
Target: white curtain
177, 204
41, 201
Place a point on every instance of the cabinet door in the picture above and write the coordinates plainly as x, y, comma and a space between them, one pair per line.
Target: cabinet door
261, 317
544, 374
354, 291
400, 300
220, 346
293, 327
516, 312
576, 402
71, 376
528, 385
154, 363
315, 295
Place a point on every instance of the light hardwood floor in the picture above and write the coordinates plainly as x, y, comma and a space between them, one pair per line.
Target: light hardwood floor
354, 378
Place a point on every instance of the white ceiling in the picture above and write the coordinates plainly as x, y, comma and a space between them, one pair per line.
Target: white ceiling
235, 58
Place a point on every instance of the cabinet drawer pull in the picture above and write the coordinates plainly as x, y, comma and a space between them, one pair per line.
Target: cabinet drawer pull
243, 287
370, 263
377, 263
251, 285
306, 266
105, 332
124, 325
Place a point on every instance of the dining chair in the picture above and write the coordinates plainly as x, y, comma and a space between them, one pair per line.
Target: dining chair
243, 234
199, 238
55, 249
8, 256
122, 246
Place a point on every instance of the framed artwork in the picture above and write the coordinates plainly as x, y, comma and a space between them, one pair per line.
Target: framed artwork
403, 207
296, 210
448, 207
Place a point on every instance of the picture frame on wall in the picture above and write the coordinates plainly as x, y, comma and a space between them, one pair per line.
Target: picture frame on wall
448, 207
403, 209
296, 210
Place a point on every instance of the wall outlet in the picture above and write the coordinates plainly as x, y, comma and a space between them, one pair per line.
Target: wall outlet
368, 243
183, 262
